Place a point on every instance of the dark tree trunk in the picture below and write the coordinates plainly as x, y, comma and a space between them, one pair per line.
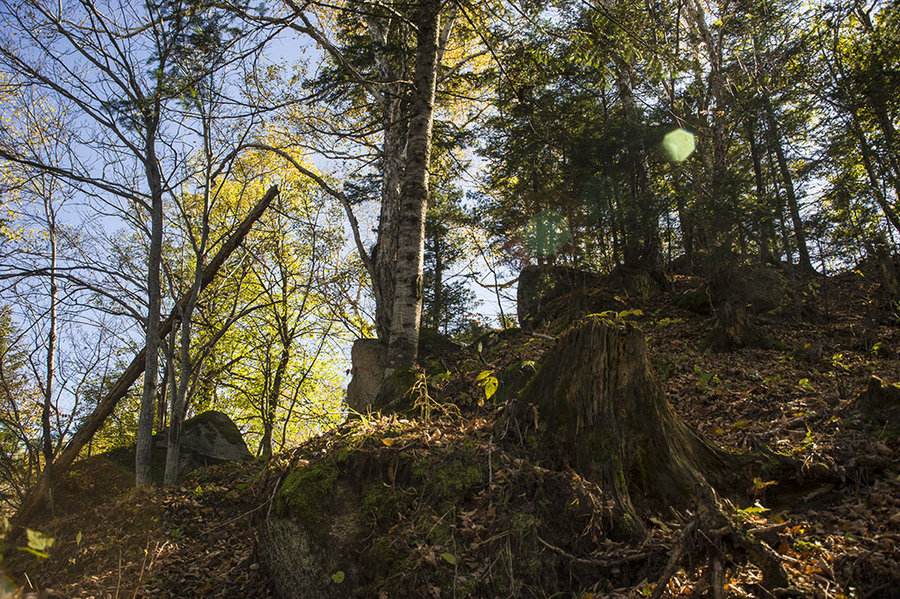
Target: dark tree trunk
868, 158
143, 448
763, 212
47, 435
274, 400
787, 179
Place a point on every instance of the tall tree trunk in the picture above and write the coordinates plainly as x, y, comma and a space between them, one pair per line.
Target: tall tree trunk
437, 306
641, 220
47, 445
273, 402
865, 150
406, 316
179, 396
787, 179
385, 255
761, 213
878, 88
162, 401
715, 215
144, 446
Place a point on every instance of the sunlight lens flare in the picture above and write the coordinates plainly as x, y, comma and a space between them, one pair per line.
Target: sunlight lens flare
546, 233
678, 145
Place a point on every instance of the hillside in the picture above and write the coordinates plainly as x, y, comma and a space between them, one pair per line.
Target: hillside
452, 496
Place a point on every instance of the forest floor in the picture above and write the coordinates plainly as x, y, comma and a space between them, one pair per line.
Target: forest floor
835, 540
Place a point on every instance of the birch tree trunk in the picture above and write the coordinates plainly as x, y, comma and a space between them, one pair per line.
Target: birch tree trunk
393, 156
406, 316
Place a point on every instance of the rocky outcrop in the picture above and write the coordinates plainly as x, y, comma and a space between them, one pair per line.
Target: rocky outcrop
208, 438
368, 358
368, 390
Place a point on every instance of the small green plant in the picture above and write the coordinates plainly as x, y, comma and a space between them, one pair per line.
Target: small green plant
488, 383
39, 544
838, 361
805, 385
705, 379
617, 317
754, 511
808, 443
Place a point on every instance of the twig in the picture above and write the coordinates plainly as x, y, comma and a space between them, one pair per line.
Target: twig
674, 559
140, 579
119, 574
543, 336
272, 498
238, 517
596, 562
717, 579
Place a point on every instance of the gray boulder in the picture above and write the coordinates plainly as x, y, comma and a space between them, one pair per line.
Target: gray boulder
367, 372
208, 438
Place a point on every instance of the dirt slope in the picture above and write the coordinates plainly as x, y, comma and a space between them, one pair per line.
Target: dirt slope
485, 516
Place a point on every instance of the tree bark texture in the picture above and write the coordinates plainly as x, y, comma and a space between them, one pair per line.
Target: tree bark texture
406, 311
600, 411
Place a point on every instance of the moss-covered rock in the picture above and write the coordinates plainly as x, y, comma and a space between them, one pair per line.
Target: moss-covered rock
395, 512
694, 300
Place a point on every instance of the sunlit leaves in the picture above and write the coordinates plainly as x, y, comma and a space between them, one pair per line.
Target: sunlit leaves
488, 382
39, 544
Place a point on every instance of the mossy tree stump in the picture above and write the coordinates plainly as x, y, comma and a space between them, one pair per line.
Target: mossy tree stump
600, 410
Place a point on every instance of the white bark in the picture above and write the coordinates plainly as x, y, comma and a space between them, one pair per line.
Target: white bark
407, 305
